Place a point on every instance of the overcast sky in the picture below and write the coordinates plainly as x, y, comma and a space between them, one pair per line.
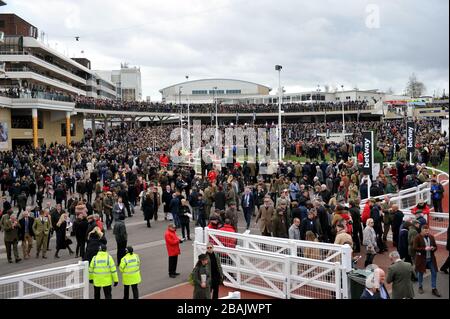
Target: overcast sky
323, 42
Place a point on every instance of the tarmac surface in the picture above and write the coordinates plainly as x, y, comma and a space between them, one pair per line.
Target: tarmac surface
156, 284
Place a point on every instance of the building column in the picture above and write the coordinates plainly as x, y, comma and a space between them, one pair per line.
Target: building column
68, 136
106, 126
34, 114
93, 130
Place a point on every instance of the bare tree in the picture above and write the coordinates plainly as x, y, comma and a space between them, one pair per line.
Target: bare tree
327, 88
415, 88
390, 91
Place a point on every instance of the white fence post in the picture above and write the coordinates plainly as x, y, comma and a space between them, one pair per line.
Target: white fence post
287, 273
85, 265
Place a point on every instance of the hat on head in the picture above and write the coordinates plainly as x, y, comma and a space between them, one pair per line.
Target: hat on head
202, 257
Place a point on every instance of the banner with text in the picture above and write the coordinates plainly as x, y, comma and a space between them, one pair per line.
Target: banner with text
410, 137
368, 152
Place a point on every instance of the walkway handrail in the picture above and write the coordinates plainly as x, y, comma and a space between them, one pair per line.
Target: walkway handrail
66, 282
419, 192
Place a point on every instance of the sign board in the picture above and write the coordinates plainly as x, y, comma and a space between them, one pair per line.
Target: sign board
410, 137
368, 152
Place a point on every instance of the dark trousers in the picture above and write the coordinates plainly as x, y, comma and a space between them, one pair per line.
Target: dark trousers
201, 219
106, 291
109, 221
369, 259
248, 215
446, 265
127, 207
13, 245
357, 237
266, 233
184, 227
173, 260
437, 204
126, 291
81, 246
121, 246
215, 289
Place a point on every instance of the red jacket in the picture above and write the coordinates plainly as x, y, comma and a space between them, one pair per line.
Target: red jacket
212, 175
99, 224
360, 158
366, 213
164, 160
172, 242
226, 241
425, 210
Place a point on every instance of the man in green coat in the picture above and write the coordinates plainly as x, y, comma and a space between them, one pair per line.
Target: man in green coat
401, 275
11, 226
202, 278
215, 269
41, 229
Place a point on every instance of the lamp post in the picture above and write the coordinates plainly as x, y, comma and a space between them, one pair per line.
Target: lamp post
181, 116
217, 123
278, 68
188, 118
343, 116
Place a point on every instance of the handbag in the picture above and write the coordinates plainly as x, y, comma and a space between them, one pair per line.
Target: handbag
68, 241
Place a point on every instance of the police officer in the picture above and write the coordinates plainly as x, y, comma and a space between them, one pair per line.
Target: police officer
102, 273
131, 274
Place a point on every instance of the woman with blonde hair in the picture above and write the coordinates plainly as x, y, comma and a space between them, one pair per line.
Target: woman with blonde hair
94, 239
62, 242
309, 252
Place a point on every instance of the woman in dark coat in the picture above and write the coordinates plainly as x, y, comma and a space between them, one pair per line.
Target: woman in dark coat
147, 207
402, 246
61, 239
202, 288
95, 239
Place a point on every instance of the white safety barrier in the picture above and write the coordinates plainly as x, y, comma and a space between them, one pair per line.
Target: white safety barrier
408, 198
438, 223
67, 282
233, 295
278, 267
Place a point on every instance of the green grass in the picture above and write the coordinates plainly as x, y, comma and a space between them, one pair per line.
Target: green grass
303, 159
444, 165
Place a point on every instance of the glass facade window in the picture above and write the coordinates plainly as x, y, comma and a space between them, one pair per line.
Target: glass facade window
199, 92
72, 129
216, 92
233, 91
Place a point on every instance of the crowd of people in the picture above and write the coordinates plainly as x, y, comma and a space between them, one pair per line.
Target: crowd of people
100, 181
320, 106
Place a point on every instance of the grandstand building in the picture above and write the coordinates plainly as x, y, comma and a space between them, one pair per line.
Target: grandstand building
209, 90
38, 85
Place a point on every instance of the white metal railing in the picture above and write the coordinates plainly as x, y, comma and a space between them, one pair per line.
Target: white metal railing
67, 282
408, 198
438, 223
233, 295
278, 267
